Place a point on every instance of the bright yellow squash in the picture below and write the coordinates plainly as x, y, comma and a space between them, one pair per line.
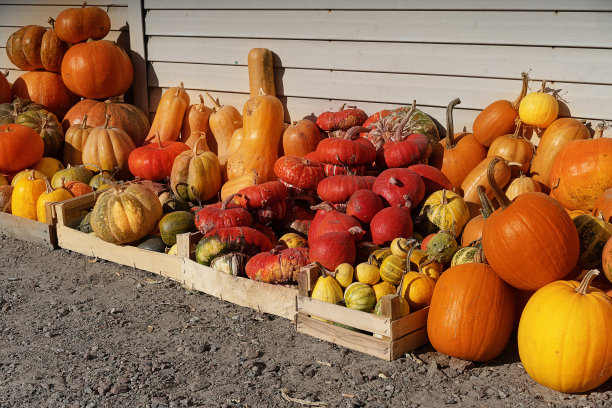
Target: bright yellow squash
444, 210
25, 196
539, 109
50, 196
367, 273
24, 174
384, 288
392, 268
417, 289
48, 166
344, 274
565, 336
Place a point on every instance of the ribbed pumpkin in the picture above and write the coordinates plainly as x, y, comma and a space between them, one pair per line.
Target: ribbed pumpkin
25, 196
536, 227
74, 25
417, 289
169, 115
603, 205
78, 189
498, 118
47, 126
224, 214
48, 166
35, 47
223, 122
46, 88
459, 153
9, 111
125, 213
444, 210
522, 185
97, 69
196, 176
71, 173
359, 296
392, 268
565, 336
478, 177
20, 147
49, 196
538, 108
582, 171
177, 222
75, 139
154, 161
301, 138
593, 233
52, 49
108, 149
555, 137
471, 313
514, 148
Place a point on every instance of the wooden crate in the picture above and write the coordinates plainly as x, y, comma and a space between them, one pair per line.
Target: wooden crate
67, 215
387, 337
24, 229
269, 298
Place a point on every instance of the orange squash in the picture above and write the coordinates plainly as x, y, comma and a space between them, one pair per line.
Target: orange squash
169, 116
261, 71
603, 205
263, 125
472, 231
478, 176
514, 148
555, 137
301, 138
236, 184
223, 122
522, 185
195, 124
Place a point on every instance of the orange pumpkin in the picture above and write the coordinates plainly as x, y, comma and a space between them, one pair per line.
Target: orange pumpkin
530, 241
75, 139
169, 116
46, 88
52, 49
74, 25
195, 124
472, 231
35, 47
603, 205
514, 148
582, 172
522, 185
555, 137
97, 69
20, 147
301, 138
478, 177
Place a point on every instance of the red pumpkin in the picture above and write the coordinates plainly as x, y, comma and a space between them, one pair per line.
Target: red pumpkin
261, 195
124, 116
603, 205
154, 161
266, 230
364, 205
334, 170
329, 220
340, 151
46, 88
391, 223
97, 69
277, 266
20, 147
426, 241
332, 249
298, 218
400, 187
338, 189
343, 119
299, 172
222, 215
398, 154
433, 178
424, 144
272, 212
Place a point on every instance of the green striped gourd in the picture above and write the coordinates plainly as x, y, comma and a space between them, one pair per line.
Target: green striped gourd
444, 210
392, 269
465, 255
360, 296
442, 247
177, 222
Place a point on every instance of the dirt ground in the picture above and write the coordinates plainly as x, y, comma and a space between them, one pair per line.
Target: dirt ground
80, 332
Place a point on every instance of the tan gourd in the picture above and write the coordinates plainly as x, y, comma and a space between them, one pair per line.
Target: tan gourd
234, 185
263, 125
169, 116
75, 139
195, 123
223, 122
477, 177
261, 71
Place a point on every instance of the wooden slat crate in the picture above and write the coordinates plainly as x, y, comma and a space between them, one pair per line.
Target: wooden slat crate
67, 215
387, 337
269, 298
39, 233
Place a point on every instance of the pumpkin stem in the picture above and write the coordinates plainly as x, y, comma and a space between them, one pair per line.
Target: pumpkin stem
106, 121
519, 128
179, 89
51, 22
255, 176
586, 281
202, 104
401, 282
352, 132
356, 230
400, 128
342, 107
556, 185
48, 184
599, 130
499, 194
216, 106
345, 166
195, 145
325, 205
227, 201
32, 175
450, 129
444, 198
518, 100
543, 86
84, 122
479, 256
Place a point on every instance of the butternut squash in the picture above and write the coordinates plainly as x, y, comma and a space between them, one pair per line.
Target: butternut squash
478, 177
261, 71
236, 184
195, 124
223, 122
169, 116
263, 124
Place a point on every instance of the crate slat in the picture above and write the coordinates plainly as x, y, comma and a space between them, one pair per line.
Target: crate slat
25, 229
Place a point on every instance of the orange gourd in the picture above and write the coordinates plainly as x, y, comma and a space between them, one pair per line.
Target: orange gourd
522, 185
301, 138
514, 148
538, 108
530, 241
555, 137
582, 171
75, 139
169, 116
478, 177
603, 205
20, 147
498, 118
223, 122
25, 196
459, 153
472, 231
262, 125
261, 71
195, 124
49, 196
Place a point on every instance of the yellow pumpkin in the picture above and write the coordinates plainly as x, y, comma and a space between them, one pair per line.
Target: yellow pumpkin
344, 274
417, 289
293, 240
234, 185
367, 273
431, 268
263, 125
196, 176
25, 196
24, 174
49, 196
444, 210
539, 109
48, 166
416, 257
565, 336
327, 289
382, 289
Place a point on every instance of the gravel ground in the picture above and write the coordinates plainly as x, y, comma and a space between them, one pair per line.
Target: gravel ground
80, 332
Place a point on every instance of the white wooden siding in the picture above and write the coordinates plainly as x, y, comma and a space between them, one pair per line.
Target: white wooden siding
386, 53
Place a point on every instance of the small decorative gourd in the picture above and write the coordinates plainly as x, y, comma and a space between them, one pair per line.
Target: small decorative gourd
360, 296
444, 210
196, 176
327, 289
442, 247
367, 273
593, 233
344, 274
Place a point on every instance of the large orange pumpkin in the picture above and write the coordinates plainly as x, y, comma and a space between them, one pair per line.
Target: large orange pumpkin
97, 69
20, 147
471, 313
46, 88
74, 25
582, 172
530, 241
124, 116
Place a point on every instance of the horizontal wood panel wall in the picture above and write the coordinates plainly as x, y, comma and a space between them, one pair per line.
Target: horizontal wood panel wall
386, 53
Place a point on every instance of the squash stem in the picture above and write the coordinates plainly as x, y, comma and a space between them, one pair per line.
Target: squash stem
400, 127
586, 281
84, 122
487, 207
216, 106
444, 198
599, 130
450, 129
499, 194
519, 128
106, 121
518, 100
51, 22
543, 86
179, 89
227, 201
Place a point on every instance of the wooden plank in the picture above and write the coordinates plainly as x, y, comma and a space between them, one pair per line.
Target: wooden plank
20, 15
363, 343
579, 29
408, 324
588, 65
138, 54
27, 230
408, 343
583, 100
65, 3
551, 5
264, 297
341, 314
